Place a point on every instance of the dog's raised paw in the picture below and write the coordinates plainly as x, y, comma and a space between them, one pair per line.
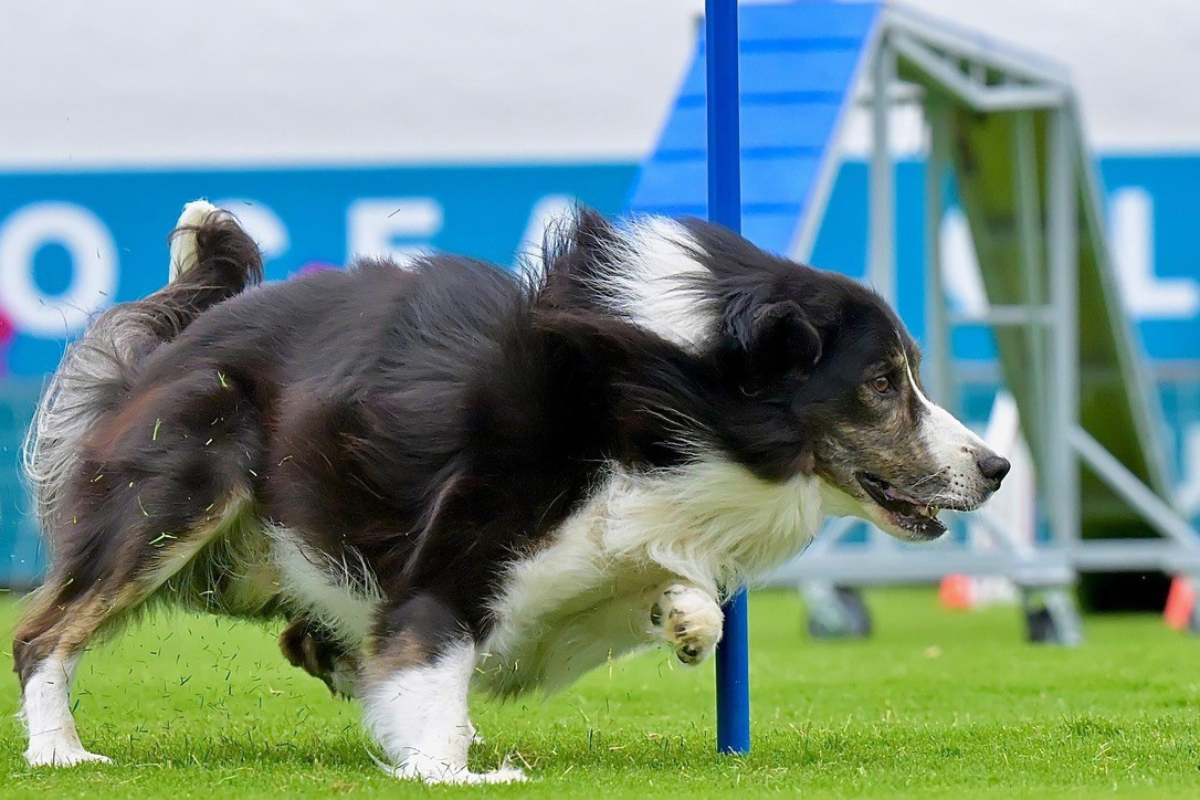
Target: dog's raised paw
690, 621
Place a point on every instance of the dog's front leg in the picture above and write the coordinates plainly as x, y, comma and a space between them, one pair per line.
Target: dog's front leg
689, 619
415, 694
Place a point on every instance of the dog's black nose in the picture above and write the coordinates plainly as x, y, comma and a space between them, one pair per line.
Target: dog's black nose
994, 467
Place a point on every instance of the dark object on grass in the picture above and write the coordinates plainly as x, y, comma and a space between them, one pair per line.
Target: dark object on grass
841, 615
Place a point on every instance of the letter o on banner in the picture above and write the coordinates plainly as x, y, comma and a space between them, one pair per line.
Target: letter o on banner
93, 267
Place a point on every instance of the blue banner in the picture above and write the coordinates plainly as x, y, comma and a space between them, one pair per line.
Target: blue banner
73, 242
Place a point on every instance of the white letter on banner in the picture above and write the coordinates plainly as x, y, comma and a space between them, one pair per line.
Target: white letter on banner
93, 267
1131, 229
264, 225
546, 211
960, 265
395, 227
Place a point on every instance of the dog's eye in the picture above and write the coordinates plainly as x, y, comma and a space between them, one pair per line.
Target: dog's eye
882, 384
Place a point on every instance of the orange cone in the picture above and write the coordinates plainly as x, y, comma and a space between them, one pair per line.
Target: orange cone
1180, 601
956, 593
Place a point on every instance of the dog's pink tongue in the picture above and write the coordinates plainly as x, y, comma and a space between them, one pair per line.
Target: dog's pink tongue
892, 493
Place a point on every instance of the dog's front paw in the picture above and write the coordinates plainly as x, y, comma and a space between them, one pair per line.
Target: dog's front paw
434, 770
689, 620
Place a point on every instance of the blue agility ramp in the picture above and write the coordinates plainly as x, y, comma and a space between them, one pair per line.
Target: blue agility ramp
799, 70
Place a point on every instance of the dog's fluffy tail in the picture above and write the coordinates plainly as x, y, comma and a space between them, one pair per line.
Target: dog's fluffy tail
212, 259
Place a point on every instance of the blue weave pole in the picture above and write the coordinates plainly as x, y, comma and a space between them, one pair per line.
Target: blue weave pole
725, 208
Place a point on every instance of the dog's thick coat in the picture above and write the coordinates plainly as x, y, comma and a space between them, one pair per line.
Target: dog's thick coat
448, 474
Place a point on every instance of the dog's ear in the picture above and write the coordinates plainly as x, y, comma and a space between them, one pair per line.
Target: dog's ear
771, 340
577, 247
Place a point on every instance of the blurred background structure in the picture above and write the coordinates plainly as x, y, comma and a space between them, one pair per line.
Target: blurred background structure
465, 125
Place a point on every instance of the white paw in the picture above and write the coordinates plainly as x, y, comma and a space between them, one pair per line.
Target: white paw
689, 620
59, 754
505, 774
430, 770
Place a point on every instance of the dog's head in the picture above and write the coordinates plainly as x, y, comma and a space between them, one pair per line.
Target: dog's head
832, 379
817, 376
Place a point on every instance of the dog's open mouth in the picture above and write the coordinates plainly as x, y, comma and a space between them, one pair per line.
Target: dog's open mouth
901, 509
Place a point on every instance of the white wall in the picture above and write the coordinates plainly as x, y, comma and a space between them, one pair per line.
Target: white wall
137, 81
88, 82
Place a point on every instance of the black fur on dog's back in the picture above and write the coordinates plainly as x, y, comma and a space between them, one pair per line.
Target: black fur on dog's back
389, 396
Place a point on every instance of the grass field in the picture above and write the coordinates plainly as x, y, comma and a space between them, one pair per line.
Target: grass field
937, 703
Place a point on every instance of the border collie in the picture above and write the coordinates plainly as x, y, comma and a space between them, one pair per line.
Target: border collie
446, 474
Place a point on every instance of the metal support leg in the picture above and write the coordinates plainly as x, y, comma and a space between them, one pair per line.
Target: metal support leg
840, 611
833, 611
1050, 613
1193, 620
881, 267
1056, 620
1152, 508
938, 343
1051, 617
1030, 236
1063, 480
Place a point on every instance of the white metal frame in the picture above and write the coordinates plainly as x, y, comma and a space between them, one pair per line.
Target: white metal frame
964, 67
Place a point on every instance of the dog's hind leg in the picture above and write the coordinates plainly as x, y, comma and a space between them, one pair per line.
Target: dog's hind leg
46, 650
46, 710
60, 625
47, 645
143, 505
415, 694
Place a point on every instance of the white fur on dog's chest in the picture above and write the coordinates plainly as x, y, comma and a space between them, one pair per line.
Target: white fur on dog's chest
586, 596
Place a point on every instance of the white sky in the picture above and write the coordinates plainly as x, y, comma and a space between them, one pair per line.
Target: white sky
120, 82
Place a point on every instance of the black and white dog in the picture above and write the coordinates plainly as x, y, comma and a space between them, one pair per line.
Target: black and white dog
446, 474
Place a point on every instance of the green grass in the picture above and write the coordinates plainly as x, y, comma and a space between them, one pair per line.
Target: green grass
936, 704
